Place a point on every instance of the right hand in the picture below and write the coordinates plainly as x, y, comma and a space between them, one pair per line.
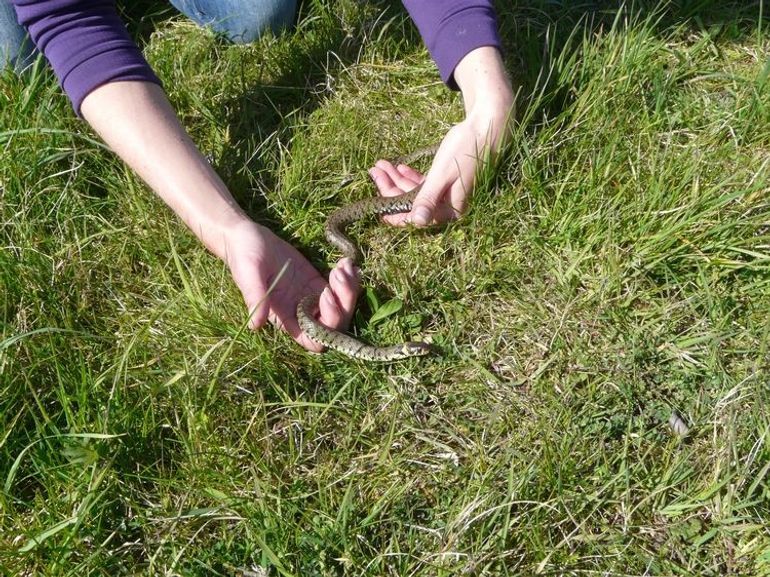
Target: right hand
256, 257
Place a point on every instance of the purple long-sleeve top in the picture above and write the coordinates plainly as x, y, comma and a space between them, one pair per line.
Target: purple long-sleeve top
88, 45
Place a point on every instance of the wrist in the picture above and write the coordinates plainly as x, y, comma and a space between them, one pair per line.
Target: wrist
484, 83
224, 234
487, 95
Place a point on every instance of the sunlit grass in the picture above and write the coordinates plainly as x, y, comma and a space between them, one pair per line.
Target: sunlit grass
613, 268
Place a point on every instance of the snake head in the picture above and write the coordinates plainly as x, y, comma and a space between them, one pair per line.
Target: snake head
416, 349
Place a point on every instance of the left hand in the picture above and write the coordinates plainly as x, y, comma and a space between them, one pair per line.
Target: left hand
447, 187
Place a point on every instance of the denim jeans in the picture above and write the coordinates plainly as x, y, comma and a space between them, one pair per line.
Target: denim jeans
15, 48
240, 21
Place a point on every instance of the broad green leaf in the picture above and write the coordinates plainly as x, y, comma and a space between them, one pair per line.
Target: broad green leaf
389, 308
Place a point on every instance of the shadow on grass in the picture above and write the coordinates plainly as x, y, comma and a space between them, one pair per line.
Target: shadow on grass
298, 91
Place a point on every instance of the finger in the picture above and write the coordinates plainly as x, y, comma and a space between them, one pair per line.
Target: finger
330, 313
345, 284
402, 176
410, 173
444, 193
308, 344
390, 182
285, 320
444, 212
425, 208
385, 183
459, 197
338, 303
283, 305
256, 297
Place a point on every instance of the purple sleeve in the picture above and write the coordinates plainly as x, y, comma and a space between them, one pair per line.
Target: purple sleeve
453, 28
85, 42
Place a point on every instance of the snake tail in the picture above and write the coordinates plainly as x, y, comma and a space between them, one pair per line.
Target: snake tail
349, 346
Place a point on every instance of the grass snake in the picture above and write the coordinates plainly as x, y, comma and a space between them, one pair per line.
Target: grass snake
334, 232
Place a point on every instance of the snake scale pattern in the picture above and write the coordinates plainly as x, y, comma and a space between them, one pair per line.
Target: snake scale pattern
334, 232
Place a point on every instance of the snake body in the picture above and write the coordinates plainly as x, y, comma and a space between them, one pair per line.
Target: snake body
334, 232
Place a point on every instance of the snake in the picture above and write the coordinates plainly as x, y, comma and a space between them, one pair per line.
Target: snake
334, 233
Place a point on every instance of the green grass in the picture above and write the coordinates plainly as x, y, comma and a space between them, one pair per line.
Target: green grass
614, 268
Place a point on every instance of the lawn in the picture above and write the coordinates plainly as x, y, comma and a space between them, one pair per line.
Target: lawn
613, 270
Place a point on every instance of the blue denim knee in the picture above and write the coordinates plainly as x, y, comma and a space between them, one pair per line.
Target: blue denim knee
16, 48
240, 21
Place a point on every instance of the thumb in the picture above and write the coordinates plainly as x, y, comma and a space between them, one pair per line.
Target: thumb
427, 201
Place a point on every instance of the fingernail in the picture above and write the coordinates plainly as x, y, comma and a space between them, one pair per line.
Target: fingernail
421, 216
348, 268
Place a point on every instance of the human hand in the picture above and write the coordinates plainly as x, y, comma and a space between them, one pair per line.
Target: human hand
257, 257
447, 187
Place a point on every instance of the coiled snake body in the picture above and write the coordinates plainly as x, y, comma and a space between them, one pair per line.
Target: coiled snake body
333, 230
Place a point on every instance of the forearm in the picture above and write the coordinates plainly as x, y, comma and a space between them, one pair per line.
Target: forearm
136, 120
486, 87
